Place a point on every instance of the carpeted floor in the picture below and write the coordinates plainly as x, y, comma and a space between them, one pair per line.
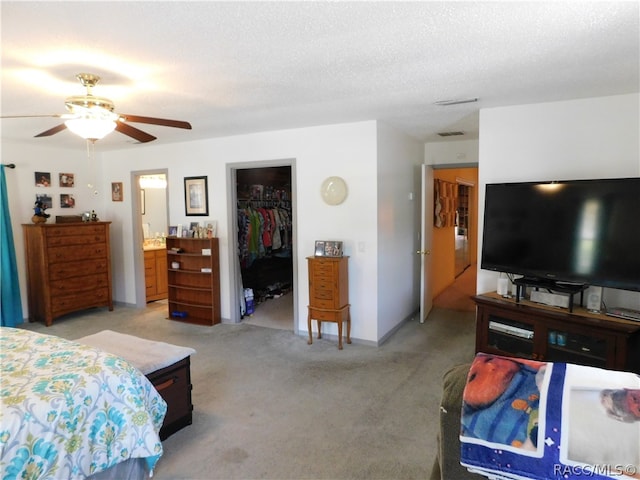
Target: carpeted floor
269, 406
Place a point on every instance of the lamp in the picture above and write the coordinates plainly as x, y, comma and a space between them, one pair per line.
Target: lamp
91, 128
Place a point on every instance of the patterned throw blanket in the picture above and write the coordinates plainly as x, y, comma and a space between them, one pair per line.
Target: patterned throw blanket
523, 419
69, 410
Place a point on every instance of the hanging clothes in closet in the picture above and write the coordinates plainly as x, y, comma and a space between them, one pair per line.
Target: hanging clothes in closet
264, 230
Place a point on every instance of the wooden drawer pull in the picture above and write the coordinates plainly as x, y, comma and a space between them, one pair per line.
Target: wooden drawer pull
167, 384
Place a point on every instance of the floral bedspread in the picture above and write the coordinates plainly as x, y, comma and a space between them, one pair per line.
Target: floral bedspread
69, 410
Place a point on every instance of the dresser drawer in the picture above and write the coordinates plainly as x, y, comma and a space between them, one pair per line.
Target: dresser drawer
323, 283
62, 304
323, 267
329, 316
74, 230
322, 294
64, 270
79, 284
323, 303
77, 252
73, 240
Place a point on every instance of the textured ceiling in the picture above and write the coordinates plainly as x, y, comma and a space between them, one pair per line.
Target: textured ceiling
238, 67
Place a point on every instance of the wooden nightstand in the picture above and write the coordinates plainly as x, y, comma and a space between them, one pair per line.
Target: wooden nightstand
329, 295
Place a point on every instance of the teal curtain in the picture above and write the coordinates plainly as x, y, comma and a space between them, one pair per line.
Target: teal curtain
10, 303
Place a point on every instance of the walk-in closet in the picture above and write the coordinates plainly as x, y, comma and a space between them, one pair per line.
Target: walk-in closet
265, 226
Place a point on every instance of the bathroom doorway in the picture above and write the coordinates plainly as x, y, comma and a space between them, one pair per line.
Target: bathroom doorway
150, 227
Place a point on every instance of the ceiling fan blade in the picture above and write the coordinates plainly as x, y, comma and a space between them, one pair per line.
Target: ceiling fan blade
155, 121
52, 131
55, 115
133, 132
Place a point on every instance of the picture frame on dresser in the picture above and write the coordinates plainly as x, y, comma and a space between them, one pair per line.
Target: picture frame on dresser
196, 200
328, 248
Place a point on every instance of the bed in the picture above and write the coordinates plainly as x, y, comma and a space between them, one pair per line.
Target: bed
73, 411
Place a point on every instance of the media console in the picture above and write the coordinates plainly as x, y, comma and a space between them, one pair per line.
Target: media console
525, 329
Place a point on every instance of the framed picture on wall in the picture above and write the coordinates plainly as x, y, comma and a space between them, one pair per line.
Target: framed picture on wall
196, 201
67, 201
46, 200
43, 179
116, 192
66, 179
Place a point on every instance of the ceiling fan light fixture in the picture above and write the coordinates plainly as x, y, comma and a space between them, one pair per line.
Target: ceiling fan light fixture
91, 128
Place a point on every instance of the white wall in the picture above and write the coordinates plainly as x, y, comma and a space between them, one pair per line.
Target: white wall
346, 150
578, 139
35, 156
398, 222
452, 152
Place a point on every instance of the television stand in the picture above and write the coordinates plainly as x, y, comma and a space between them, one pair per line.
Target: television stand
548, 334
553, 285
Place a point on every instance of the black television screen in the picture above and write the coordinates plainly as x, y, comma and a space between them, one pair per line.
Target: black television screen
580, 231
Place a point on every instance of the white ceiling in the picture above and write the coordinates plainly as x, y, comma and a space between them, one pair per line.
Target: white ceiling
238, 67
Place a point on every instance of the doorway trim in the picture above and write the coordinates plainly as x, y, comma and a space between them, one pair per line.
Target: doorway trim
235, 276
137, 235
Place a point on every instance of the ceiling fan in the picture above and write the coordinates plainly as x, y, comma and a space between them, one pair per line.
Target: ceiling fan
93, 117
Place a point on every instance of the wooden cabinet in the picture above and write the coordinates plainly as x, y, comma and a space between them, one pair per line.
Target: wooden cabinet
68, 268
173, 383
194, 280
155, 274
534, 331
329, 295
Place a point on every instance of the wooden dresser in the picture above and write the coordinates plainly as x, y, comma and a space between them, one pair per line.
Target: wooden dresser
329, 294
68, 268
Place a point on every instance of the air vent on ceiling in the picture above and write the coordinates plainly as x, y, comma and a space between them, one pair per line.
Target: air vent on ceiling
457, 101
450, 134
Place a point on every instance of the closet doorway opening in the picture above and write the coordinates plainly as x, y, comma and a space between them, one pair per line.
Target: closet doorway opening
265, 245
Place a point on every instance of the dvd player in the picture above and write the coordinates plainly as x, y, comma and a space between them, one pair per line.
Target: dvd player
511, 330
626, 313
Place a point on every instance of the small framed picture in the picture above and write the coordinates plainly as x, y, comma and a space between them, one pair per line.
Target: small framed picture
116, 192
45, 200
67, 201
66, 179
196, 201
173, 231
328, 248
43, 179
212, 229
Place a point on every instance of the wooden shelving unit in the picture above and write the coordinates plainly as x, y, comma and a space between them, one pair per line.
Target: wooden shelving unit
194, 287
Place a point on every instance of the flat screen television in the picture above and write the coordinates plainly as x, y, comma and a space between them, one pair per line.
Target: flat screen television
580, 231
